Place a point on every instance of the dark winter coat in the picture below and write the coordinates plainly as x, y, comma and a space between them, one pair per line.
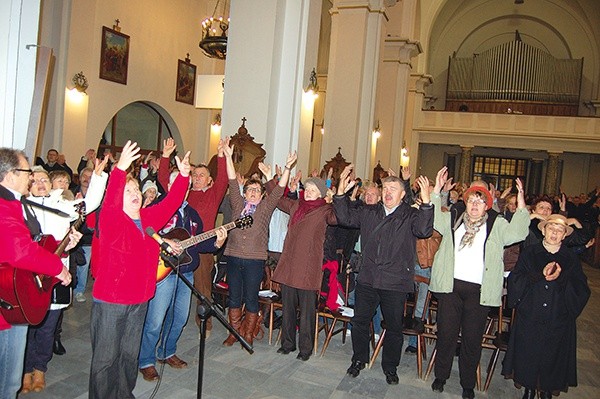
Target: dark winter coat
543, 340
388, 252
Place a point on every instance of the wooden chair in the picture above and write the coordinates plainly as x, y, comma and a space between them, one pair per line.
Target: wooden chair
497, 342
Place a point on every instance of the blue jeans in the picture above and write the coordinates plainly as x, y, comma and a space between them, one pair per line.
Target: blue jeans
12, 354
116, 332
244, 277
168, 312
39, 342
82, 271
422, 289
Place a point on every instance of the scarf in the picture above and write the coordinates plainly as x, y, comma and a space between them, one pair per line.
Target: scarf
249, 208
305, 208
472, 228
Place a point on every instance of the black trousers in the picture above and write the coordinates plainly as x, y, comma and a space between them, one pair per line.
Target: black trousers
392, 307
306, 303
460, 311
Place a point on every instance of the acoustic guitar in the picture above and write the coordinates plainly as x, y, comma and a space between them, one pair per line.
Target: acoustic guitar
183, 237
25, 295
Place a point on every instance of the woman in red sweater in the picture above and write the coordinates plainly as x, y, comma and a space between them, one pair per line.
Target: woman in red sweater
125, 270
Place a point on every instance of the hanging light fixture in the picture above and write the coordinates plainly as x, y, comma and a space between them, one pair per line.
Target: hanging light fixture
377, 132
313, 87
214, 33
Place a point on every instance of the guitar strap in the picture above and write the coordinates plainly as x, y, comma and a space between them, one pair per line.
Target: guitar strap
30, 220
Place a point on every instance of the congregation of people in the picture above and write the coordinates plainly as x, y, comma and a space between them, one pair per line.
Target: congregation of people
472, 246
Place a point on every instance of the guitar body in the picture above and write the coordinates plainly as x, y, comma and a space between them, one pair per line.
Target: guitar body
29, 293
177, 234
181, 235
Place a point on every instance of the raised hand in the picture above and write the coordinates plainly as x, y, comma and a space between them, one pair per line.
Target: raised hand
520, 194
392, 172
440, 179
129, 154
314, 173
345, 179
184, 164
227, 149
278, 171
291, 160
100, 165
266, 170
423, 183
448, 185
168, 147
405, 172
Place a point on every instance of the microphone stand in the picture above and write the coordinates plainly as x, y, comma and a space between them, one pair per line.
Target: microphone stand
205, 309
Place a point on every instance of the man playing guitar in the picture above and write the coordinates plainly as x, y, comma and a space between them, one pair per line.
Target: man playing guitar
18, 250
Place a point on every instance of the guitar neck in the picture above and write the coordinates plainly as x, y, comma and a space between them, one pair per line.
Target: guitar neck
204, 236
65, 241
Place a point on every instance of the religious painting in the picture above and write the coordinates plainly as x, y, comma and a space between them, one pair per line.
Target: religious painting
186, 82
114, 56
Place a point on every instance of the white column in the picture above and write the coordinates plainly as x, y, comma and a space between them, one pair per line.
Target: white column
272, 47
19, 21
356, 30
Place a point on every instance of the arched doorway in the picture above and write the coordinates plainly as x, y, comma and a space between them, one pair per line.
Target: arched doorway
146, 123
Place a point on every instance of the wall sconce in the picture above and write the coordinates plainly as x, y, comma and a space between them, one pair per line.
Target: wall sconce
215, 127
313, 87
323, 127
404, 158
377, 132
80, 83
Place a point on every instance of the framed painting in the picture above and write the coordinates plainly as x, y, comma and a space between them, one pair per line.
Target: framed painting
114, 56
186, 82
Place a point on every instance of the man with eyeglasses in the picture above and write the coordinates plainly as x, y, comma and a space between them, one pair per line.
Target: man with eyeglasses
18, 250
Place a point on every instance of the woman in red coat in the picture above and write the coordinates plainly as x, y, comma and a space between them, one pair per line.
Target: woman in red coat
125, 271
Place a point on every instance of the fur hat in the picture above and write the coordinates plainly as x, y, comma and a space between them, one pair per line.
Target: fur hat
319, 183
487, 196
148, 185
556, 219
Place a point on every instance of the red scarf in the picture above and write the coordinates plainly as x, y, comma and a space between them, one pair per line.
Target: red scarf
305, 208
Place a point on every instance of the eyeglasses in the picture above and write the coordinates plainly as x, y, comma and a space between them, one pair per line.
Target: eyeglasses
253, 189
24, 170
475, 201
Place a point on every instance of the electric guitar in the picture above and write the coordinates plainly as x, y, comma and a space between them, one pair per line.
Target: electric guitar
183, 237
25, 295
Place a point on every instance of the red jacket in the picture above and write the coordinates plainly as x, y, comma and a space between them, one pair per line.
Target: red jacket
16, 246
126, 260
206, 203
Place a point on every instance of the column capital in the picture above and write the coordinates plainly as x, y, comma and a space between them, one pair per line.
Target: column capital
400, 49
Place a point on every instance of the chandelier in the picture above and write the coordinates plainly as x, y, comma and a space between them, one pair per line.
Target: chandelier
214, 34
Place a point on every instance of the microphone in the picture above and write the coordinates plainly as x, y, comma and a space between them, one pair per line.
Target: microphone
163, 244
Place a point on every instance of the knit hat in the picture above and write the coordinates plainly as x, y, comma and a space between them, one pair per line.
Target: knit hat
556, 219
319, 183
148, 185
487, 196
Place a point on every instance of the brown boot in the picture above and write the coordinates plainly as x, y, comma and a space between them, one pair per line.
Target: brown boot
259, 332
235, 319
248, 327
39, 380
27, 383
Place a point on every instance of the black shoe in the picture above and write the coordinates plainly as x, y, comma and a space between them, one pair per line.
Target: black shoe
438, 385
545, 395
468, 393
410, 349
355, 367
284, 351
58, 348
529, 394
303, 357
391, 377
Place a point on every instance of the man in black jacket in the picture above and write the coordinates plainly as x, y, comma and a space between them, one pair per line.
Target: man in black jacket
388, 238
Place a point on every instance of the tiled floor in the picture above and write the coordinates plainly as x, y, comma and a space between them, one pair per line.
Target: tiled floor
233, 373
